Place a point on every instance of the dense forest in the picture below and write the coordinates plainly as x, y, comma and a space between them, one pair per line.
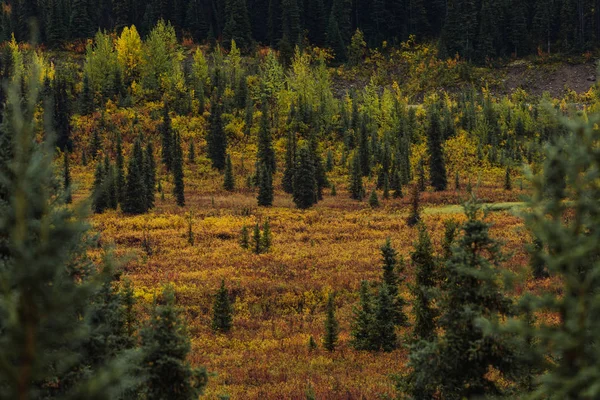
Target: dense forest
474, 29
271, 200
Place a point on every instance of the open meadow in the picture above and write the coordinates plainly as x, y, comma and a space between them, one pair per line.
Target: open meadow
279, 297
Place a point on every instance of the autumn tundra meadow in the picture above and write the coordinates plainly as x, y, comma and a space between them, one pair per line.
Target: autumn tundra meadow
318, 199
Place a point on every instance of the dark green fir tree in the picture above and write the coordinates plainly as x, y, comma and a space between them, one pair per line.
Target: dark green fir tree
166, 345
228, 180
330, 340
304, 183
178, 184
222, 319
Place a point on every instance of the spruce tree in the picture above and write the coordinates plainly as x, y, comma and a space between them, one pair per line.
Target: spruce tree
396, 185
266, 239
330, 339
166, 345
373, 199
49, 283
120, 161
62, 115
86, 99
364, 148
110, 184
390, 277
569, 237
266, 154
245, 238
192, 152
471, 292
450, 230
415, 208
265, 186
134, 201
363, 321
217, 140
99, 193
229, 180
507, 180
178, 187
425, 282
385, 338
237, 24
96, 144
536, 259
222, 319
356, 184
166, 134
81, 23
149, 175
67, 178
290, 163
437, 167
257, 240
304, 183
421, 184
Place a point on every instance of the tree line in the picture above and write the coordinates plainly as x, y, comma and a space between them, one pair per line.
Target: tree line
474, 29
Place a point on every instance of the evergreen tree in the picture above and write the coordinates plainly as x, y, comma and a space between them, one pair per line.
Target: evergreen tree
81, 24
460, 30
217, 140
364, 149
415, 208
450, 230
134, 201
192, 153
472, 292
166, 345
149, 175
178, 187
425, 281
536, 259
421, 184
265, 186
49, 282
120, 169
266, 240
385, 335
96, 144
396, 185
363, 321
290, 22
266, 154
245, 238
237, 24
334, 38
290, 163
99, 193
62, 115
86, 100
356, 184
67, 178
373, 199
229, 180
222, 319
257, 239
110, 184
166, 134
304, 183
330, 339
507, 180
569, 235
437, 168
391, 278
